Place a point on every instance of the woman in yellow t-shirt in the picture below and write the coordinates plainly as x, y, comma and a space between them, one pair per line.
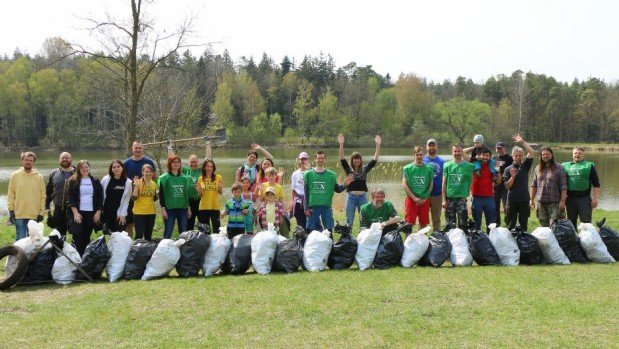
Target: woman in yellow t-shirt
144, 195
210, 185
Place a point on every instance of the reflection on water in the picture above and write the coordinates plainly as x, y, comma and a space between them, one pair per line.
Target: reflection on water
387, 174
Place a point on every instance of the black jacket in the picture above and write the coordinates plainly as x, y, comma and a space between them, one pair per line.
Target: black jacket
74, 194
55, 189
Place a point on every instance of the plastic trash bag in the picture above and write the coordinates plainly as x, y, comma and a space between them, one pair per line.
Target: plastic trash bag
40, 267
343, 252
551, 250
263, 247
239, 258
316, 250
140, 253
217, 252
390, 249
460, 255
610, 238
164, 259
95, 258
30, 244
368, 240
415, 246
289, 253
120, 245
438, 251
592, 244
565, 232
192, 253
481, 248
530, 251
63, 271
505, 245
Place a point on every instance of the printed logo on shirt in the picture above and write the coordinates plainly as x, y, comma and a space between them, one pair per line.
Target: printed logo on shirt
455, 178
419, 181
319, 187
178, 190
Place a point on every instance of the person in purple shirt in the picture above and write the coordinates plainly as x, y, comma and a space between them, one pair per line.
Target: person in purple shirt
435, 196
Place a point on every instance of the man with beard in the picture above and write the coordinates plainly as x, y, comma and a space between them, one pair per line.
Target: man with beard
501, 160
581, 178
457, 178
436, 162
482, 190
548, 189
56, 192
26, 195
379, 211
133, 169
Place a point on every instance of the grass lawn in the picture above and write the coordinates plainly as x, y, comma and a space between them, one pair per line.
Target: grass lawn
542, 306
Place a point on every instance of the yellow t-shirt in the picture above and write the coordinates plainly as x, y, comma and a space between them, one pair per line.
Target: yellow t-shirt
145, 203
210, 195
279, 191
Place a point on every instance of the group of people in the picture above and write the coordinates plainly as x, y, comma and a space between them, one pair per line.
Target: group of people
125, 199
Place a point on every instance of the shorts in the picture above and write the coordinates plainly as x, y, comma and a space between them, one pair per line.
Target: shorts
412, 211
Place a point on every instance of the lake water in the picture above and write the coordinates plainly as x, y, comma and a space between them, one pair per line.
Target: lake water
387, 174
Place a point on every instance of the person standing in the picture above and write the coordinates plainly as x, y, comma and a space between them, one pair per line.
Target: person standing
145, 194
516, 178
457, 178
86, 203
133, 168
174, 197
501, 160
548, 189
477, 148
583, 187
298, 190
56, 192
484, 181
357, 190
437, 163
210, 185
116, 196
417, 183
26, 195
250, 168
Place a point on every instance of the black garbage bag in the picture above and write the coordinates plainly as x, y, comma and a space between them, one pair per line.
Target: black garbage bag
530, 252
205, 228
95, 259
289, 253
192, 253
343, 252
610, 238
390, 249
140, 253
438, 251
239, 258
481, 248
568, 241
40, 268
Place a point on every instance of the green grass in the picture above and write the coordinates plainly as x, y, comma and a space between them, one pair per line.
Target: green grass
542, 306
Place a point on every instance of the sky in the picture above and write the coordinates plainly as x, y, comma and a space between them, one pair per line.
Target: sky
436, 39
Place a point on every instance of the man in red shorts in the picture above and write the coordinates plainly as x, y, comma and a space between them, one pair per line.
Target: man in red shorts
417, 184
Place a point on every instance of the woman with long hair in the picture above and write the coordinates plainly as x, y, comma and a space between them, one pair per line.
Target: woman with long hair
210, 185
85, 202
144, 196
116, 196
250, 168
174, 197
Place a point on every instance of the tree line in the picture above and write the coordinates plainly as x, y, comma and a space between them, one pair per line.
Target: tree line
56, 98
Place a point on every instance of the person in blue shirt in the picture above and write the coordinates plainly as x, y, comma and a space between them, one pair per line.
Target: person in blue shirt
435, 196
133, 169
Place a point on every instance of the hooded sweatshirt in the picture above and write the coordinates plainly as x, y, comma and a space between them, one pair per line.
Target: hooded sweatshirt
26, 194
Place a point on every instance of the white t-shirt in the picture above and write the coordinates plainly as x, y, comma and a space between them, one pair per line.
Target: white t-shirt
87, 193
297, 183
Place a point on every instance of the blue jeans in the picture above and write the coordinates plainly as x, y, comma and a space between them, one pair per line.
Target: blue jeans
483, 205
21, 228
318, 212
175, 214
353, 204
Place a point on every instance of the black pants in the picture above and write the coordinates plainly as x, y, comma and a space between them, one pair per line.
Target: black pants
60, 219
210, 216
144, 224
299, 215
111, 220
191, 221
232, 232
576, 207
82, 231
517, 211
500, 196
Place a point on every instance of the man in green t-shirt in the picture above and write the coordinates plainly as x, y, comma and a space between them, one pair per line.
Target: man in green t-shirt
582, 182
457, 178
379, 211
417, 182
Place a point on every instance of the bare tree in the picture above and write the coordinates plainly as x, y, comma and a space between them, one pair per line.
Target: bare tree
520, 95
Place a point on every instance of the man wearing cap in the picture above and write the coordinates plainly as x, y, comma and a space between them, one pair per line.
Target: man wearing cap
582, 181
501, 160
298, 190
477, 149
436, 162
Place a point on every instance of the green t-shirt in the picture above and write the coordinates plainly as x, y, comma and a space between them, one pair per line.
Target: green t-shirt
459, 177
578, 175
193, 175
370, 214
175, 190
419, 179
319, 187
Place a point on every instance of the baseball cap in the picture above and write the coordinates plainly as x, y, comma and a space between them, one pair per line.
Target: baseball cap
270, 190
431, 140
500, 145
478, 138
303, 155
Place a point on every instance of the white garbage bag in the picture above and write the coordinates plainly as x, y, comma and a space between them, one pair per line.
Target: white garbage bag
316, 250
460, 255
217, 252
505, 245
263, 247
415, 246
164, 259
119, 245
550, 246
592, 243
30, 244
367, 240
63, 271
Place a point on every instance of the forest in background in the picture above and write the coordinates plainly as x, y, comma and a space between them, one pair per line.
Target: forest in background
59, 99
